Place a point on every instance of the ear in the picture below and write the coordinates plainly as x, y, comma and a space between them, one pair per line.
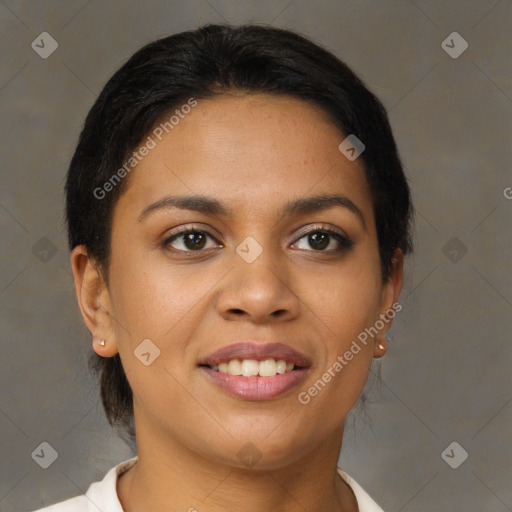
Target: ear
389, 302
94, 301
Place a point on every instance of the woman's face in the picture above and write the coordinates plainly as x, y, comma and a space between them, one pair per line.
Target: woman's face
255, 272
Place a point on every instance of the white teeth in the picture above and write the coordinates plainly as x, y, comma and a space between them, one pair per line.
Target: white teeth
281, 366
252, 368
235, 367
267, 368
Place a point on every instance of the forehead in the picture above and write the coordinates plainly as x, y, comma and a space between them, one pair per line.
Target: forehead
262, 148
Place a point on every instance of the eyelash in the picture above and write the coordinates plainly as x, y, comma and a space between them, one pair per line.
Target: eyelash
345, 243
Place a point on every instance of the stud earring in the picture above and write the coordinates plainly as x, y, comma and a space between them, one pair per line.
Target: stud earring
381, 346
101, 342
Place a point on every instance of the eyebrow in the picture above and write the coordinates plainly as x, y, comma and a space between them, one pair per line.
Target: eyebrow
208, 205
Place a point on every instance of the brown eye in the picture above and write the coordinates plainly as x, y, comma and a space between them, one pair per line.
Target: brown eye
194, 241
320, 239
190, 240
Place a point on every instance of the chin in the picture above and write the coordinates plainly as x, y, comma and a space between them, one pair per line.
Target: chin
262, 453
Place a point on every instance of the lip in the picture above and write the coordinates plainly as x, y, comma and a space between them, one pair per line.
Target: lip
257, 388
259, 352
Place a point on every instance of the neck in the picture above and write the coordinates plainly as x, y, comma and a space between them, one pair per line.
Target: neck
169, 477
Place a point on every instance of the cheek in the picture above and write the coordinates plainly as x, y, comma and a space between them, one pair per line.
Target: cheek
344, 299
163, 302
155, 301
343, 308
342, 303
142, 291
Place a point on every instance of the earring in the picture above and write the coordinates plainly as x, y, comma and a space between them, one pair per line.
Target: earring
101, 342
381, 346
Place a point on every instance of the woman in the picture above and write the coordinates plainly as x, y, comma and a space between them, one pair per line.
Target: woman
238, 216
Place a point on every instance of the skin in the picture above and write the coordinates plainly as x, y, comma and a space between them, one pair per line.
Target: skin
253, 153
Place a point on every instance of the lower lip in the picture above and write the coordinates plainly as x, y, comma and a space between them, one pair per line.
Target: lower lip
256, 388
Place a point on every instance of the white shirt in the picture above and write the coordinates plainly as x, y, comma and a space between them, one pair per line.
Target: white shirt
102, 496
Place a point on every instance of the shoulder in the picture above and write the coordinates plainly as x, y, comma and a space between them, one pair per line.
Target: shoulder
364, 501
100, 495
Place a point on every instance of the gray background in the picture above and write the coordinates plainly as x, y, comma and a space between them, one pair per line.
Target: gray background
447, 376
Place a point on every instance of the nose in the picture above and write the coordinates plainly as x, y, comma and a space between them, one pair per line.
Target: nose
259, 292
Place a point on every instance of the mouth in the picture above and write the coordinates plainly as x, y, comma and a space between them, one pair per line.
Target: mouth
256, 372
253, 367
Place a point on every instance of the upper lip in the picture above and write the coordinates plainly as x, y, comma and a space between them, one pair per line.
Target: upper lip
259, 352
